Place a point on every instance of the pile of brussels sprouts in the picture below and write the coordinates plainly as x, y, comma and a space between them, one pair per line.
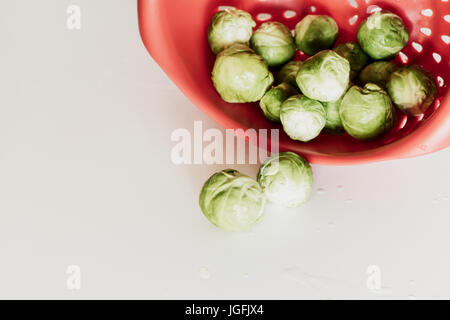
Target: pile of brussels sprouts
352, 88
235, 202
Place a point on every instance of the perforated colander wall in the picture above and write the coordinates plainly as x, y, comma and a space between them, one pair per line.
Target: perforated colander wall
420, 49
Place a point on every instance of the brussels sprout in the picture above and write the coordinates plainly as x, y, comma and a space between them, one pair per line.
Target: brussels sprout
274, 98
355, 55
288, 73
383, 35
228, 27
334, 122
366, 113
316, 33
303, 118
324, 77
412, 90
240, 75
232, 201
273, 41
378, 72
286, 179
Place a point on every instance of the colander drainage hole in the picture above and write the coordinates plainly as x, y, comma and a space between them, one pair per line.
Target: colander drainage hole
403, 57
437, 57
403, 122
373, 8
440, 81
426, 31
353, 19
353, 3
223, 8
288, 14
264, 16
417, 46
427, 12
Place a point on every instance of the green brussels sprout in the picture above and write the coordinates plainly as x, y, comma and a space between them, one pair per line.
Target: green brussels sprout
355, 55
274, 98
316, 33
232, 201
324, 77
240, 75
412, 90
383, 35
288, 73
303, 118
286, 179
366, 113
334, 122
273, 41
228, 27
378, 72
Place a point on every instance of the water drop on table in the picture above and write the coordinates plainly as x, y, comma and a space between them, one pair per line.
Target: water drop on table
320, 191
340, 188
204, 273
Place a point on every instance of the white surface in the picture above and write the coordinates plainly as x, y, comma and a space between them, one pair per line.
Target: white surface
86, 179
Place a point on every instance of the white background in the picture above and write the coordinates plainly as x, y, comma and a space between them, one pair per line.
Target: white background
86, 179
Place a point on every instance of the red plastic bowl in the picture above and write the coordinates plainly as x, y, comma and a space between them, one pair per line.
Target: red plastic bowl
174, 33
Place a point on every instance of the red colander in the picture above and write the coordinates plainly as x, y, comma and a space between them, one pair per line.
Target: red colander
174, 33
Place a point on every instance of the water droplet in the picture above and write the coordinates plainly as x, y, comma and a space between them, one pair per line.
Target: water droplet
204, 273
423, 147
340, 188
320, 191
